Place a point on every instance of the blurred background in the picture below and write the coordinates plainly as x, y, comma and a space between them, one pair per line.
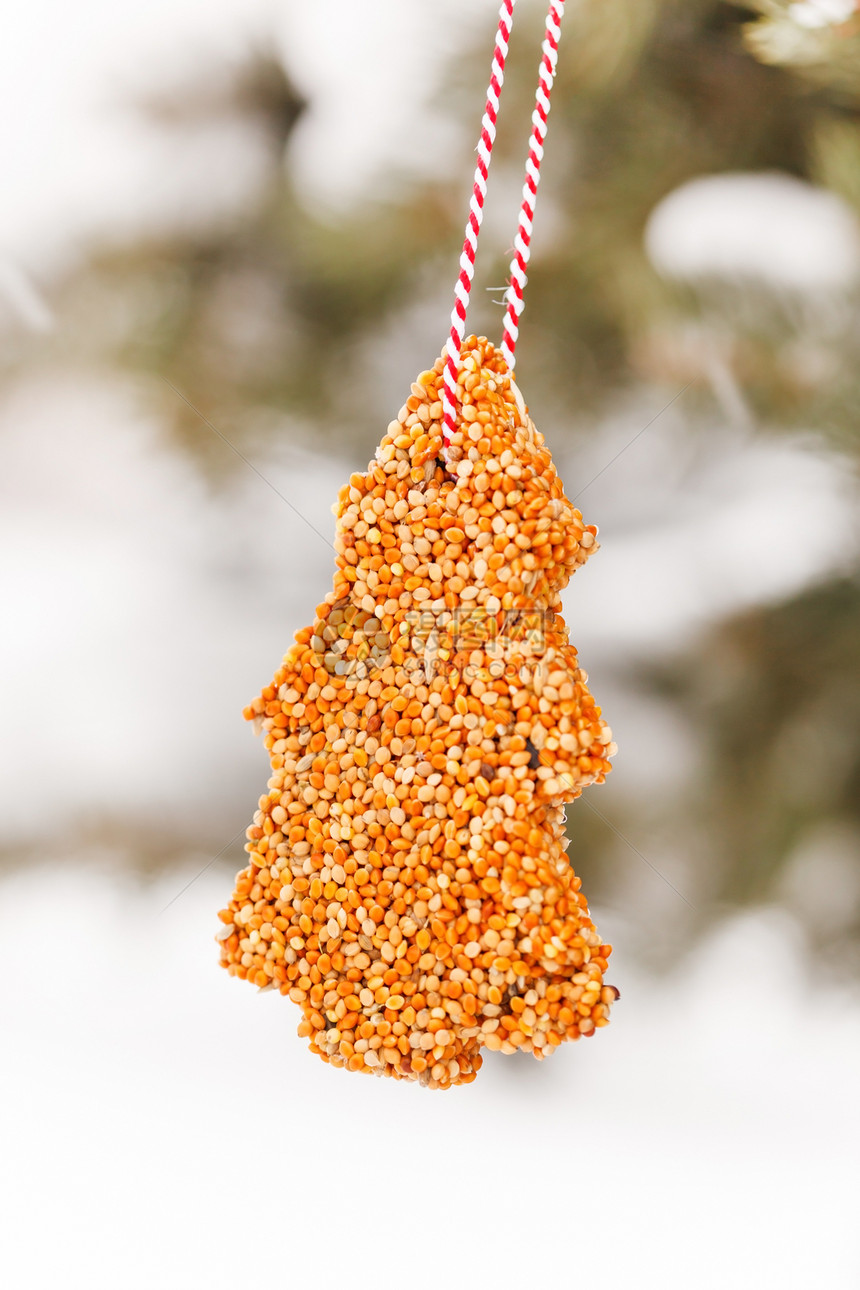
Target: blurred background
228, 242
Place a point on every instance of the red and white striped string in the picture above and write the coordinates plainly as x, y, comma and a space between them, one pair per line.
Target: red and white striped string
522, 242
476, 215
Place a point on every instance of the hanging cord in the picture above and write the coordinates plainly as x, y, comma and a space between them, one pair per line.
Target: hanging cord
476, 215
515, 293
522, 241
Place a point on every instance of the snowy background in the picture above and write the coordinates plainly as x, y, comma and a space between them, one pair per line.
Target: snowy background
162, 1125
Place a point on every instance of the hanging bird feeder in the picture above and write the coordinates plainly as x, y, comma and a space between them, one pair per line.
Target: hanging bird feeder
408, 885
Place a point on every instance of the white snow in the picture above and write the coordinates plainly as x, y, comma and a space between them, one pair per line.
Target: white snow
769, 228
821, 13
718, 530
78, 161
162, 1125
142, 612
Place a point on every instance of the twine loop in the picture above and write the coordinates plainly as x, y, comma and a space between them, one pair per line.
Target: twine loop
515, 293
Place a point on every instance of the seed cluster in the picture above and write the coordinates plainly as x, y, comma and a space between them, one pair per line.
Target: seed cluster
408, 885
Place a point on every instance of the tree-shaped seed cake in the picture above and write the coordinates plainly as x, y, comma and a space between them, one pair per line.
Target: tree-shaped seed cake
408, 885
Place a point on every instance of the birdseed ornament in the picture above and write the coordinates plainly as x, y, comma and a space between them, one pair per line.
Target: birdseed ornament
408, 884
